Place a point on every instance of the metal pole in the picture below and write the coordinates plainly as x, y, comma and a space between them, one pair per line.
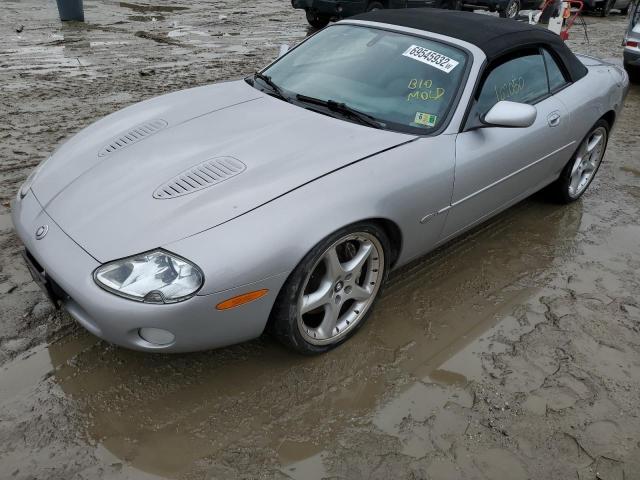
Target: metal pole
71, 10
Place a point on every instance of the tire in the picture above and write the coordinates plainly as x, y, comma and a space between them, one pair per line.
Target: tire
562, 190
625, 11
374, 5
316, 20
511, 10
338, 300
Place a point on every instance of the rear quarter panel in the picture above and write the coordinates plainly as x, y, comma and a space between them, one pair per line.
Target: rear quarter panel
601, 91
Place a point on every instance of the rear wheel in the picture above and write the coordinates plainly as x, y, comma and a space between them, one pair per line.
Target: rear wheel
316, 20
625, 11
374, 5
578, 174
511, 10
330, 293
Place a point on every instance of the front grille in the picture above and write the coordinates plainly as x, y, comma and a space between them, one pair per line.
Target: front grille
132, 136
199, 177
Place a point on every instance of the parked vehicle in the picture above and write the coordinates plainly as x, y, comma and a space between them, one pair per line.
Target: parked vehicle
505, 8
604, 7
199, 218
321, 12
631, 52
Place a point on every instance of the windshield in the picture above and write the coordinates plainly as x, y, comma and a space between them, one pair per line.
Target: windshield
408, 83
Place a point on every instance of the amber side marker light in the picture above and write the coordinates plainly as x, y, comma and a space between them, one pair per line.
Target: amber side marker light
241, 299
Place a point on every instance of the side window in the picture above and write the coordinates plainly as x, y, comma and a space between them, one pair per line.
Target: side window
556, 77
522, 79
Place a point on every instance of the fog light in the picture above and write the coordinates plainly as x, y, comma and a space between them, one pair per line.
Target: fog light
157, 336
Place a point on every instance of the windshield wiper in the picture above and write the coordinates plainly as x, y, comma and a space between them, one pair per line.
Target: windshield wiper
274, 86
344, 109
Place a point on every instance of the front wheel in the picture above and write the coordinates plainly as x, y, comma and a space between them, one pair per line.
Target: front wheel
511, 10
578, 174
330, 293
374, 6
316, 20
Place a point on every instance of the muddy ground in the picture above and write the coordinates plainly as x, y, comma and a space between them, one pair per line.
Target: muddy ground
512, 353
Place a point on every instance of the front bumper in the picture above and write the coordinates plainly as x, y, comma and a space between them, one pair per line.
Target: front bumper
332, 8
195, 323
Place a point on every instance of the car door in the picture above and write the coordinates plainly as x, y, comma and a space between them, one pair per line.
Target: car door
497, 166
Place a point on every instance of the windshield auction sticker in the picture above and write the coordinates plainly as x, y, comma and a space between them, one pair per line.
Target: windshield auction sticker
425, 119
434, 59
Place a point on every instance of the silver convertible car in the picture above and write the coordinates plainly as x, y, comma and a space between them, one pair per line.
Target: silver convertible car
201, 218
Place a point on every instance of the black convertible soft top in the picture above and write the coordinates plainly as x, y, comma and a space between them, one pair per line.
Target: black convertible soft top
494, 36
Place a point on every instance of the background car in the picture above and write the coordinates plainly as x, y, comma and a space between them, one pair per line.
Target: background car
631, 53
321, 12
282, 201
604, 7
506, 8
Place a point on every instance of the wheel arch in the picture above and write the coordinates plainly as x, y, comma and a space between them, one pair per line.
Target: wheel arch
388, 226
610, 118
385, 3
394, 234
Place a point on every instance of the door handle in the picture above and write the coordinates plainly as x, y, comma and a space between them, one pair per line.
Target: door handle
554, 119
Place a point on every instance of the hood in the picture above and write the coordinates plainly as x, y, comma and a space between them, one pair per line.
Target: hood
110, 187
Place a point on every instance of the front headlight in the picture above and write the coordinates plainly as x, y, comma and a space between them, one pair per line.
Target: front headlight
153, 277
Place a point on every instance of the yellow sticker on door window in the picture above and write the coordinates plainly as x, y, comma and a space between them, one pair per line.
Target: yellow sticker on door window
426, 119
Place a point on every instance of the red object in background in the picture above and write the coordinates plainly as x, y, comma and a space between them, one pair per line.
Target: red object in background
573, 14
570, 15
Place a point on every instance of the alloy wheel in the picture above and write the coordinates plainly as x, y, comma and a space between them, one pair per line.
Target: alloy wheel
513, 9
340, 288
587, 161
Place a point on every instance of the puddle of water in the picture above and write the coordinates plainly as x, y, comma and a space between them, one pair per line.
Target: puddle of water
146, 8
182, 32
146, 18
291, 452
163, 414
633, 171
29, 368
445, 377
24, 372
311, 468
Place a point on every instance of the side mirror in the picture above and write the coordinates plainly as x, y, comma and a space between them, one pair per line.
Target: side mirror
284, 48
510, 114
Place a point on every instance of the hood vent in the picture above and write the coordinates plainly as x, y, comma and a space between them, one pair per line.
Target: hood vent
132, 136
199, 177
